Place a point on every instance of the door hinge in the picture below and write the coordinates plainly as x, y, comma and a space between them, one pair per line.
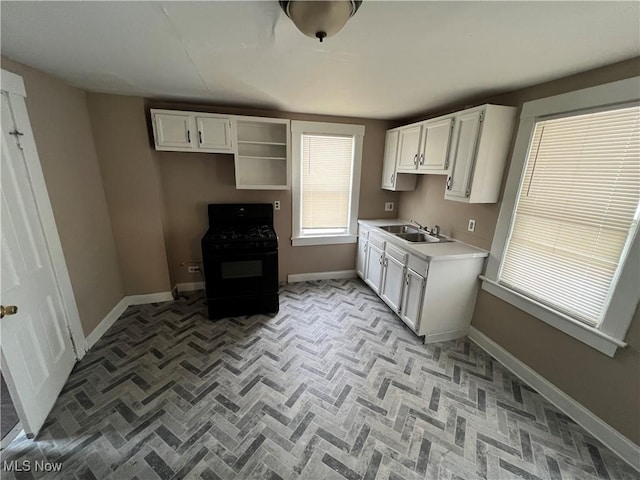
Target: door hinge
17, 134
481, 116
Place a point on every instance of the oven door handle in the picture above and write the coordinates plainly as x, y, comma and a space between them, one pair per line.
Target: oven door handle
241, 256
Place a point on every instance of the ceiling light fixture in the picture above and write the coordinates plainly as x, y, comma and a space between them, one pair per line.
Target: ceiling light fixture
320, 19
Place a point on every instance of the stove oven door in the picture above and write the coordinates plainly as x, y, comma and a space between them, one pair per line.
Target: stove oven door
241, 274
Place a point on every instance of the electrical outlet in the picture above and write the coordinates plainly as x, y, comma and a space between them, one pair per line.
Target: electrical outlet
472, 226
388, 206
276, 205
194, 269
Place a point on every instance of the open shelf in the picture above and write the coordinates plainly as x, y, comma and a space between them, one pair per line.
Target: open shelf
262, 150
262, 159
261, 172
262, 132
250, 142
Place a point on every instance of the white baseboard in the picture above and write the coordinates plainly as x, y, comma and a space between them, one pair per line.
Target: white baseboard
106, 322
609, 436
149, 298
443, 337
11, 436
119, 309
306, 277
190, 286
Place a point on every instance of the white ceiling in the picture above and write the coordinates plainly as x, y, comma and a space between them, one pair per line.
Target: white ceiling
392, 59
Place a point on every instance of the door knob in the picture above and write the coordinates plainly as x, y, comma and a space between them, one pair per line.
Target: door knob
8, 310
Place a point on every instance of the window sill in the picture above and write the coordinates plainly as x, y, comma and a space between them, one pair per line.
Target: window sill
323, 240
578, 330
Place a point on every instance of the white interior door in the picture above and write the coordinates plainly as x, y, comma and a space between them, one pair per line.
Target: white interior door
37, 352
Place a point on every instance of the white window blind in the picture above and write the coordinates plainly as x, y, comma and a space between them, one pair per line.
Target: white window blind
576, 211
327, 169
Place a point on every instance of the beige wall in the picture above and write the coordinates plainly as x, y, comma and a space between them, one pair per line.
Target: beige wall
608, 387
190, 181
60, 122
132, 187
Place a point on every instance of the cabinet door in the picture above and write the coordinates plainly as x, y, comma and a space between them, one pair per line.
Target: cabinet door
361, 264
463, 154
214, 133
172, 130
392, 282
373, 272
389, 161
408, 146
436, 138
412, 299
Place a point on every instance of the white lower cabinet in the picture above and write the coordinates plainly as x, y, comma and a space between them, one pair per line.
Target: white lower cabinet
373, 272
361, 264
392, 276
412, 298
435, 297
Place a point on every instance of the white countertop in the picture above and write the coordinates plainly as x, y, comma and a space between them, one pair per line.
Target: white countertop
429, 251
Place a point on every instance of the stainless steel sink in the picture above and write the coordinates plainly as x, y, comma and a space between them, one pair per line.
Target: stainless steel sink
419, 237
400, 229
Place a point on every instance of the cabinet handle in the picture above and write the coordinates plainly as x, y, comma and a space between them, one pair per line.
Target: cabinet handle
200, 136
448, 183
189, 136
415, 159
422, 159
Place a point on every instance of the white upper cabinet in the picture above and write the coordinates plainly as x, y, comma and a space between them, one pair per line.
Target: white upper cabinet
467, 129
479, 150
261, 148
409, 143
391, 179
424, 147
190, 131
172, 131
470, 147
434, 148
214, 133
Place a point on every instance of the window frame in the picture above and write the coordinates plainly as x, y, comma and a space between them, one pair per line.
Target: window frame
609, 334
299, 128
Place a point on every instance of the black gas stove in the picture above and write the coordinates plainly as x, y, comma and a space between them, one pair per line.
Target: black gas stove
240, 260
241, 237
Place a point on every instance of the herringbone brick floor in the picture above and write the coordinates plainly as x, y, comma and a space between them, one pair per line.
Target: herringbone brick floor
333, 387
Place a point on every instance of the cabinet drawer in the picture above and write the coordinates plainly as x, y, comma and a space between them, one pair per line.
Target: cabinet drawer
399, 255
418, 265
363, 232
377, 241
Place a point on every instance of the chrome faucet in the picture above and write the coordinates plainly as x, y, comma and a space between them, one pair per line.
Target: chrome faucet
420, 227
435, 231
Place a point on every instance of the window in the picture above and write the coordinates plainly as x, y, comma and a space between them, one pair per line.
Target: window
566, 246
326, 181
